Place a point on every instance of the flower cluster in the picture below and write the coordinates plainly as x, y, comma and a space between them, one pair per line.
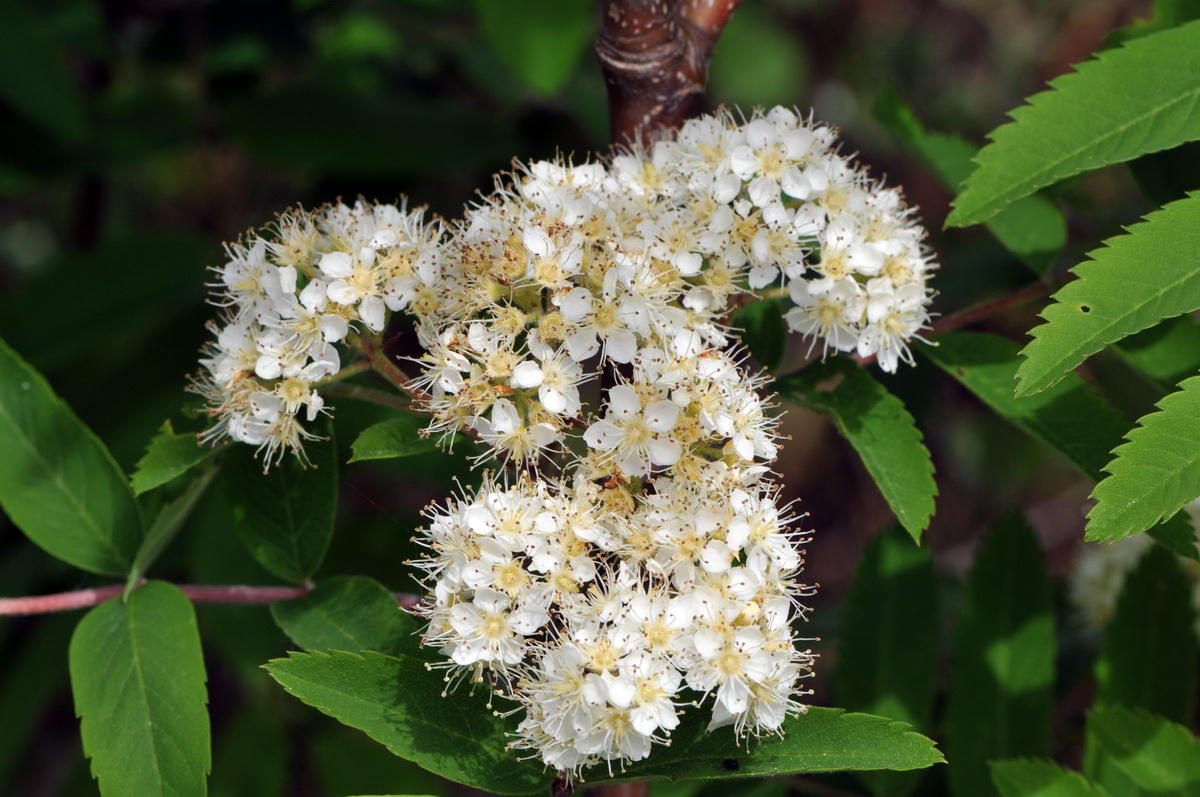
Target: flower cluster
290, 296
575, 324
594, 606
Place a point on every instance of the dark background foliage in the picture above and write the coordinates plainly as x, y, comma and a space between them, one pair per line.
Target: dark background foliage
139, 134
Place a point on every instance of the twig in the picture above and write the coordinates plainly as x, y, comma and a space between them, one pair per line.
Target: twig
654, 54
198, 593
370, 394
385, 366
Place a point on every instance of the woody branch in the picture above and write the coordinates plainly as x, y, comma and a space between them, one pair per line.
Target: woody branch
654, 54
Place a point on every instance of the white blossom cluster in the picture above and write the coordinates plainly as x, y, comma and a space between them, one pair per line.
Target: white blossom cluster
632, 559
290, 298
635, 265
595, 606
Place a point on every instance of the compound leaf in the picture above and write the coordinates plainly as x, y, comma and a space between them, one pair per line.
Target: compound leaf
1134, 281
1155, 473
1141, 97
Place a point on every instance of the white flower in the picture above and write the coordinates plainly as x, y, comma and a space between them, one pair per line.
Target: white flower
638, 436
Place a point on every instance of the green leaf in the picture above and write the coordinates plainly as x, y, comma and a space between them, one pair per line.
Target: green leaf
1149, 655
397, 437
1138, 98
137, 673
1033, 228
285, 517
1177, 535
541, 41
823, 740
999, 702
1159, 756
881, 430
763, 332
1167, 353
169, 455
166, 525
1037, 777
781, 69
58, 483
1156, 473
349, 613
398, 702
1067, 417
1130, 284
888, 657
33, 77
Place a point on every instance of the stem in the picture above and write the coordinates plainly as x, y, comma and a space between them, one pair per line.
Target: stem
354, 369
654, 55
369, 394
198, 593
386, 367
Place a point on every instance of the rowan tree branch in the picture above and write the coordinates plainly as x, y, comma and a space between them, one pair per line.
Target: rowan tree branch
654, 55
198, 593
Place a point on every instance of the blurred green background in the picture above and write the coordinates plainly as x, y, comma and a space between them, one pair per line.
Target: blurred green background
140, 134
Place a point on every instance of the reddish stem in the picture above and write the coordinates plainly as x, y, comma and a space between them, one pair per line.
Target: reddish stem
199, 593
654, 54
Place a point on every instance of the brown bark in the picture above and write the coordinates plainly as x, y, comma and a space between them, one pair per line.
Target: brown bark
654, 54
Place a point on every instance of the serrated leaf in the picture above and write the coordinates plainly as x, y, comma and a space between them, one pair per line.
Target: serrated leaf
1156, 473
879, 428
285, 517
397, 702
168, 456
1141, 97
763, 332
166, 525
999, 702
1067, 417
888, 657
58, 482
541, 41
349, 613
823, 740
1149, 655
1038, 777
1130, 284
1177, 535
1167, 353
137, 673
396, 437
1158, 755
1033, 228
